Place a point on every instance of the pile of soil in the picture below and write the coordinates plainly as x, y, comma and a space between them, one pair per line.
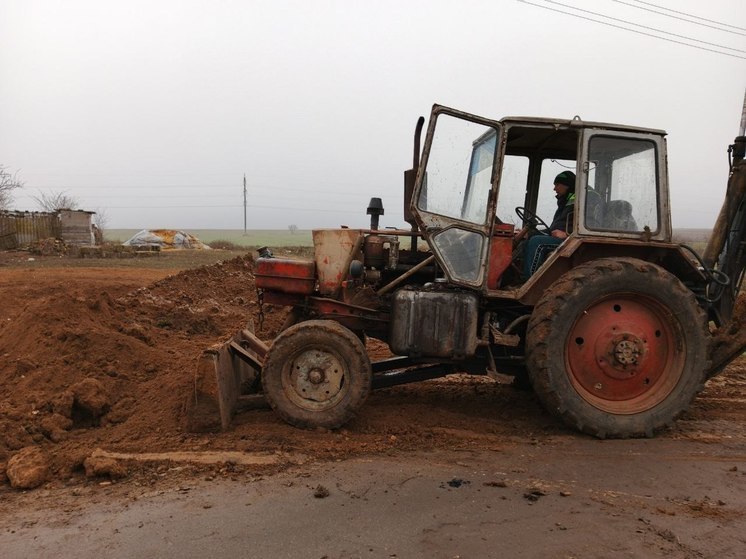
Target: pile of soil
84, 367
89, 360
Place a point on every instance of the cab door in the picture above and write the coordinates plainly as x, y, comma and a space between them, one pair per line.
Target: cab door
454, 195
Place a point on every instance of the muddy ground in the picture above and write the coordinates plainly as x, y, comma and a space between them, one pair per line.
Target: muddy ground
96, 363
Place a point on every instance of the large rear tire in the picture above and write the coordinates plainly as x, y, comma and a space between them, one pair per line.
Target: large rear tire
617, 348
316, 374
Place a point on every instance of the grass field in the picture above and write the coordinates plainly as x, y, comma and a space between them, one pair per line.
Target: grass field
283, 243
697, 238
253, 238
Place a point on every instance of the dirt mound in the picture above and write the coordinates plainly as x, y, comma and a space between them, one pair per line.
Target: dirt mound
83, 366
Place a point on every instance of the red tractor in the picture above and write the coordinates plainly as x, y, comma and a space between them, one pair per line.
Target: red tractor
612, 326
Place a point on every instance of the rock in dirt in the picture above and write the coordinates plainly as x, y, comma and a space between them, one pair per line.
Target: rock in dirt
23, 366
28, 468
121, 410
13, 436
321, 492
97, 465
55, 426
62, 403
91, 396
534, 494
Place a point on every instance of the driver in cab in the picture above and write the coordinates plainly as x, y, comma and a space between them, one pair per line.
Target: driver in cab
539, 247
564, 187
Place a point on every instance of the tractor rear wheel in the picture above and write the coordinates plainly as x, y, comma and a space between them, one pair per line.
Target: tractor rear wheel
617, 348
316, 374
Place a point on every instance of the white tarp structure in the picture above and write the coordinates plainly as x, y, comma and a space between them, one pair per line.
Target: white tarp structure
165, 238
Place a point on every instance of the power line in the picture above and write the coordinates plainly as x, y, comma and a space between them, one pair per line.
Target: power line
632, 30
644, 26
683, 19
690, 15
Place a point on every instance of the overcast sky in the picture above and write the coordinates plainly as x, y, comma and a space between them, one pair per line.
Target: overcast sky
152, 111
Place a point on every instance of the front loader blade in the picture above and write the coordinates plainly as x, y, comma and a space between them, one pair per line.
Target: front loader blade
224, 372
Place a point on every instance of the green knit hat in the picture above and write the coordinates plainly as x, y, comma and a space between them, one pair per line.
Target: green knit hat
567, 178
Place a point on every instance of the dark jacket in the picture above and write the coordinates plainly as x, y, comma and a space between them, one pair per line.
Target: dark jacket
565, 209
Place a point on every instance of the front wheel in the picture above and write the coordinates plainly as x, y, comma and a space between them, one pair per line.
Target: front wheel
617, 348
316, 374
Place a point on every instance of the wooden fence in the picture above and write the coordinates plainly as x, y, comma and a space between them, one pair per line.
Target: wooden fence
20, 229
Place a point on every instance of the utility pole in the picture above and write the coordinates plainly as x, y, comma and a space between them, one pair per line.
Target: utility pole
244, 205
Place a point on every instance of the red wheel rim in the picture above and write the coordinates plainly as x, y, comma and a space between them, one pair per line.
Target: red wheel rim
625, 353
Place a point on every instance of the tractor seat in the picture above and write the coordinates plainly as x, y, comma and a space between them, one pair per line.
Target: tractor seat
618, 216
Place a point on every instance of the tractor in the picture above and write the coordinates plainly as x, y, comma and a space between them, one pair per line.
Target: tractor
614, 327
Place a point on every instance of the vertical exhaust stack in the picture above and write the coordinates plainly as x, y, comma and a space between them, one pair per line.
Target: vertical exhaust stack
410, 176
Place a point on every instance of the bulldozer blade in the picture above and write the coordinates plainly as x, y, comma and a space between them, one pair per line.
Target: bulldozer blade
224, 372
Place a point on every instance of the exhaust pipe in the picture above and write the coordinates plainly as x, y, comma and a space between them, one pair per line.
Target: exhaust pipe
410, 177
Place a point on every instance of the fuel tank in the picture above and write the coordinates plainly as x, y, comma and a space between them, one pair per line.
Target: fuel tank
434, 323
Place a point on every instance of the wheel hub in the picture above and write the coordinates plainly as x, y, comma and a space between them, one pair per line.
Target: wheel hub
317, 375
627, 352
619, 353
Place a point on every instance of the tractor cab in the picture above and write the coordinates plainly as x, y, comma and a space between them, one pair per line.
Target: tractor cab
484, 187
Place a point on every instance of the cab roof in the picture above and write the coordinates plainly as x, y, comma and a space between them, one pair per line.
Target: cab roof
576, 122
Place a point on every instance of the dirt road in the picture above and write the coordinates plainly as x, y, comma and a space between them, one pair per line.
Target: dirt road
569, 498
137, 333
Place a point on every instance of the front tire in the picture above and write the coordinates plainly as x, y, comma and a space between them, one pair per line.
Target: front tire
316, 374
617, 348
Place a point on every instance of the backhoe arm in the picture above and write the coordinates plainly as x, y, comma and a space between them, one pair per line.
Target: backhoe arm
726, 251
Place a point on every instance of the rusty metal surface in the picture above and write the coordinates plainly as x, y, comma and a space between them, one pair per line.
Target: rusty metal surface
374, 253
576, 250
353, 317
221, 371
212, 401
728, 341
388, 287
316, 378
500, 255
254, 343
735, 194
623, 355
410, 176
434, 324
333, 248
285, 275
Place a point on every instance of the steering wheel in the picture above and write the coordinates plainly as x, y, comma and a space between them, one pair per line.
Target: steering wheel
532, 220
